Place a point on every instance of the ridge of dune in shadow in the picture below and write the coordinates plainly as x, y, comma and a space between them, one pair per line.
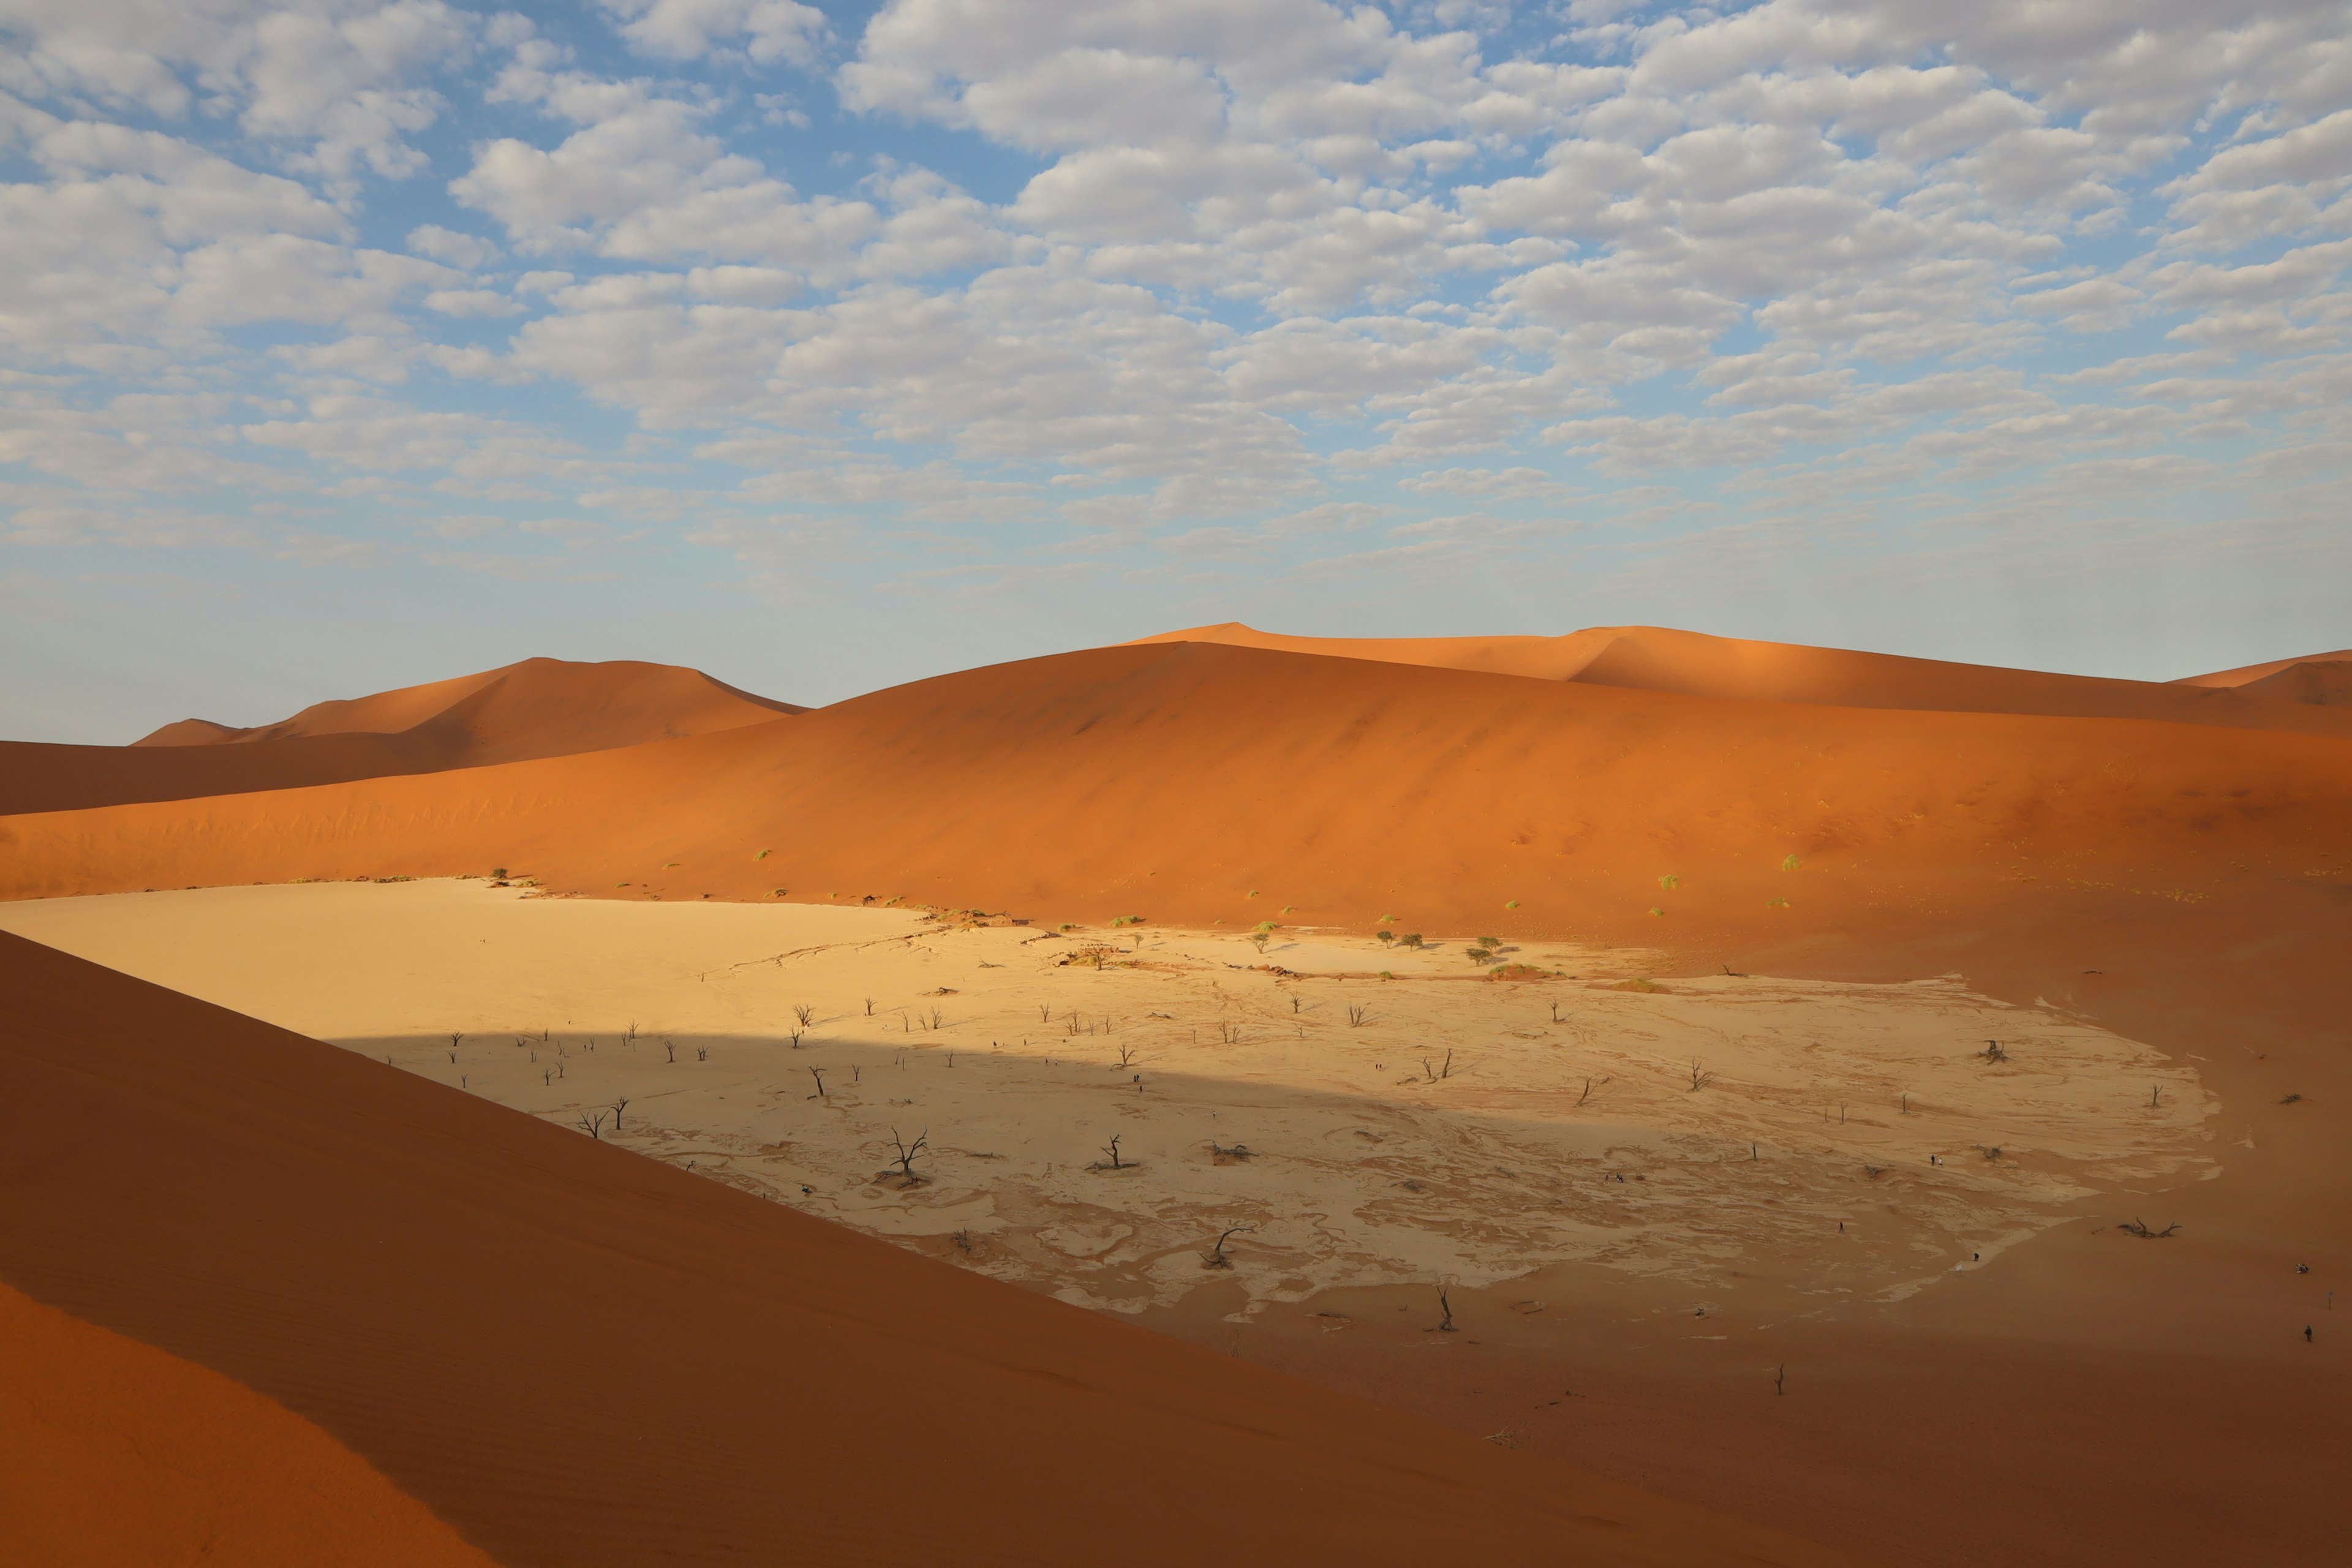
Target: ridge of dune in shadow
539, 708
577, 1355
1181, 781
1656, 659
113, 1452
2246, 674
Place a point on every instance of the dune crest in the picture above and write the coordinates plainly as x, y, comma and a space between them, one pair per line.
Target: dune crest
1656, 659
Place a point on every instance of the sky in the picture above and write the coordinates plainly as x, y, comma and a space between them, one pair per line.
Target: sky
347, 344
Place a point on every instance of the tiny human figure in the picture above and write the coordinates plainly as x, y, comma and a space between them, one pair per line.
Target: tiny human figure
2306, 1333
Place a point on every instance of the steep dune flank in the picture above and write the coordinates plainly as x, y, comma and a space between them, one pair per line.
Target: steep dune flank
1653, 658
539, 708
575, 1354
113, 1453
1175, 781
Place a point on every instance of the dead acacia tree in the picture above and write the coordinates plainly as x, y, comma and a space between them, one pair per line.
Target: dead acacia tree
619, 1106
905, 1157
1217, 1258
1357, 1014
1587, 1094
1993, 1052
2140, 1228
1111, 1149
594, 1128
1444, 1305
1126, 1055
818, 1074
1699, 1077
804, 1012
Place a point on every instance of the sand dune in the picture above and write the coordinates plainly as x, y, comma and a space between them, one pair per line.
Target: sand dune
114, 1453
1197, 784
1652, 659
572, 1354
539, 708
2247, 674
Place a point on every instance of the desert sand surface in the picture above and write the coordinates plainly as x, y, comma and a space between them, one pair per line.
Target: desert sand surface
2165, 899
1352, 1131
569, 1353
1658, 658
539, 708
114, 1452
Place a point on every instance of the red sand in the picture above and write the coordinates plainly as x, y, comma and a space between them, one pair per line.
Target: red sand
113, 1452
539, 708
1652, 659
1172, 781
576, 1356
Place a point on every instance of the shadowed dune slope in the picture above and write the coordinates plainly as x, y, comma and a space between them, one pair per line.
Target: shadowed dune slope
1652, 659
539, 708
115, 1455
577, 1355
2247, 674
1174, 780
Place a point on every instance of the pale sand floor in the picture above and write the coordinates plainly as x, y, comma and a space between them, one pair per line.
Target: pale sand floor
1566, 1127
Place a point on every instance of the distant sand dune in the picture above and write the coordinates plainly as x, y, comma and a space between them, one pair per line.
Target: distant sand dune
1652, 659
1177, 780
539, 708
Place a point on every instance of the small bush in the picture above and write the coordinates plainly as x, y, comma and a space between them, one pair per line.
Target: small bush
1411, 939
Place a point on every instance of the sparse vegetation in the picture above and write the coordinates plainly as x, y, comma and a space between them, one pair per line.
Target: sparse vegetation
1670, 881
1699, 1077
1410, 938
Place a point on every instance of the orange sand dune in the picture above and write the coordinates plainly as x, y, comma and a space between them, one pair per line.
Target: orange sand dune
2245, 675
539, 708
112, 1452
1202, 782
2320, 680
1655, 660
573, 1355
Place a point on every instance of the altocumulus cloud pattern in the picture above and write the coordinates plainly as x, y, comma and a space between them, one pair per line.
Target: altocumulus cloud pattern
1911, 313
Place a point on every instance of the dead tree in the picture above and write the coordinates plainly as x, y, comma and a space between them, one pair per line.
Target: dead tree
905, 1157
2138, 1228
804, 1012
594, 1128
1445, 1305
1126, 1055
1780, 1380
1217, 1258
818, 1074
1699, 1077
1357, 1014
1111, 1149
619, 1106
1993, 1053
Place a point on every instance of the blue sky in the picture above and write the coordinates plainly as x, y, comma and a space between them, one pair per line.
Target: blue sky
354, 344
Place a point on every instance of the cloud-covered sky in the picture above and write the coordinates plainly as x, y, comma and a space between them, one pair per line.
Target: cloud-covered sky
349, 343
